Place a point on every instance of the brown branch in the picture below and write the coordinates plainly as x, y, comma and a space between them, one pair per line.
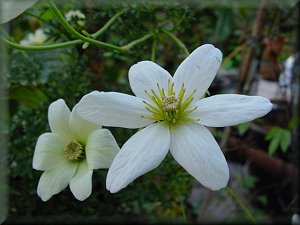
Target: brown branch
273, 165
257, 31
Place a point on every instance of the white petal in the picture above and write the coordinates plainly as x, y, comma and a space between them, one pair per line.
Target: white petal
54, 181
196, 150
49, 152
146, 75
230, 109
80, 127
10, 9
198, 70
101, 149
143, 152
58, 116
113, 109
81, 183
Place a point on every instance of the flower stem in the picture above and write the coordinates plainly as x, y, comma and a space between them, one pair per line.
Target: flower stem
135, 42
233, 53
72, 31
108, 24
177, 41
153, 50
41, 47
81, 38
230, 191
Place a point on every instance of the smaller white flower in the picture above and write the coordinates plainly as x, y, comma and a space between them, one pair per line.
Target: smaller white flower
75, 16
69, 154
36, 38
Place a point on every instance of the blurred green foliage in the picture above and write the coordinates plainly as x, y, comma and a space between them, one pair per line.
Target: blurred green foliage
38, 78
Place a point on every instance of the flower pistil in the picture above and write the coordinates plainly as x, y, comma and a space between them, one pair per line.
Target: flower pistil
168, 108
74, 151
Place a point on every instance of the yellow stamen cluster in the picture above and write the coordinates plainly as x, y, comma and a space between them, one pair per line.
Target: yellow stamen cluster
169, 108
74, 151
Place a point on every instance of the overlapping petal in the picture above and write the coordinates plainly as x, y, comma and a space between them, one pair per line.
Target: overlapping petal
81, 183
113, 109
101, 149
146, 75
58, 116
230, 109
55, 180
49, 152
81, 128
143, 152
196, 150
10, 9
198, 70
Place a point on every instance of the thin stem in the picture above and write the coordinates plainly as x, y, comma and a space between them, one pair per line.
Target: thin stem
82, 38
233, 53
108, 24
44, 21
230, 191
41, 47
177, 41
71, 30
135, 42
65, 44
153, 50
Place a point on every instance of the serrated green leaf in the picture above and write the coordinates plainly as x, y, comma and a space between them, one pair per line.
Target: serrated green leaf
285, 140
272, 133
274, 144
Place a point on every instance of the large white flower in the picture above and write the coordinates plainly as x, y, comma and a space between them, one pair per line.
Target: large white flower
174, 117
10, 9
69, 154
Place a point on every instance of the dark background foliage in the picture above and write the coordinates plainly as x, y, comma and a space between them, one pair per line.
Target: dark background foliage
35, 79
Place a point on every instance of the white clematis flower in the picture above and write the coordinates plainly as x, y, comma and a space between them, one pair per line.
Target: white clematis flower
36, 38
71, 152
174, 117
10, 9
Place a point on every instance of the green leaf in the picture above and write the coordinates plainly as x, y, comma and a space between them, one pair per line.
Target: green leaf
250, 181
30, 97
278, 137
274, 144
47, 15
285, 140
225, 24
242, 128
293, 123
262, 199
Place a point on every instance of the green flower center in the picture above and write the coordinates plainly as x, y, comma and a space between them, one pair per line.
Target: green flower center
168, 108
74, 151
